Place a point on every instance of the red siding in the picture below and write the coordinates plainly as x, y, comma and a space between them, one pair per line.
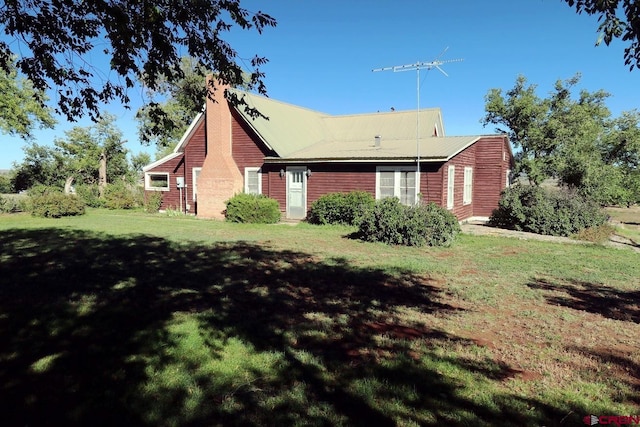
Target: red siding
431, 182
182, 166
466, 158
274, 186
194, 152
339, 177
492, 162
490, 158
247, 150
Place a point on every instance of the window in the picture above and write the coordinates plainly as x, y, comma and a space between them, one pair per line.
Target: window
195, 174
451, 178
252, 181
468, 185
158, 181
508, 181
396, 182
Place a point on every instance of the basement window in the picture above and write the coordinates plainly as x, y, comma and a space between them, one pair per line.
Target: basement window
156, 181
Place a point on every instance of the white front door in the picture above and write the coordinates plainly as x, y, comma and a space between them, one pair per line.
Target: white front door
296, 193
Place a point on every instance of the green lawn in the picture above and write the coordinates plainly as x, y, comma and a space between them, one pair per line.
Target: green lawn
117, 318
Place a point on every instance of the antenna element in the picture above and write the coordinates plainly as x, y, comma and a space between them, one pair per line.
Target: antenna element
436, 63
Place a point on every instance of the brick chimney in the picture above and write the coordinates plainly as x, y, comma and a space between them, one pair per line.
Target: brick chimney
220, 178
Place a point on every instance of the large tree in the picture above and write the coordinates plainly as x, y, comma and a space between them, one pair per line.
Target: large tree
569, 136
78, 157
84, 150
20, 111
178, 108
54, 41
618, 19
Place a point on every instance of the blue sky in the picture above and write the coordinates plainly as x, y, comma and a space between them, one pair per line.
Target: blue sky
322, 52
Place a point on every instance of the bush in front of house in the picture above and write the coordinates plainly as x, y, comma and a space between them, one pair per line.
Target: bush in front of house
395, 224
340, 208
49, 202
119, 196
538, 210
152, 201
252, 208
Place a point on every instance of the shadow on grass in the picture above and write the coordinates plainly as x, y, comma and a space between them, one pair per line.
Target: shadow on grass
88, 333
619, 365
592, 297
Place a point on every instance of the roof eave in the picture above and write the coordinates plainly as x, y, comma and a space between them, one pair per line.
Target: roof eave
412, 159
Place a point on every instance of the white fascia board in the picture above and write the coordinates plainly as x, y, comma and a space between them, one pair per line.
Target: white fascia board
160, 161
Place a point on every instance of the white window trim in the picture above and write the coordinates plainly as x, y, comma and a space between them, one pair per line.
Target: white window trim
467, 195
451, 182
147, 181
194, 182
246, 182
396, 180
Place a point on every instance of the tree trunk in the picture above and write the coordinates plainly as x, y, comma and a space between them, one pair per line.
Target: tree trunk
102, 174
67, 185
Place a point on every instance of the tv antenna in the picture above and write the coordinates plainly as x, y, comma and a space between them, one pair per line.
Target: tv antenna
417, 66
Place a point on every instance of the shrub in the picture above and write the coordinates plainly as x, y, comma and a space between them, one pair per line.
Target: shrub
340, 208
251, 208
90, 194
599, 234
393, 223
153, 201
536, 210
6, 184
119, 196
9, 204
55, 204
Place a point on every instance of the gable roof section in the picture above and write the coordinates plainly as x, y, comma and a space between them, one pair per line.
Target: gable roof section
291, 130
288, 127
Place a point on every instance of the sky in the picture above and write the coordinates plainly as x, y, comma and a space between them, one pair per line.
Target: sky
322, 53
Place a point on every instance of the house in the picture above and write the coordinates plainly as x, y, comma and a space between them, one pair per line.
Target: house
297, 155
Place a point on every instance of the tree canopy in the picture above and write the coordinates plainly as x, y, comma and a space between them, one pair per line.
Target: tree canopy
618, 19
178, 109
77, 156
20, 110
142, 41
571, 137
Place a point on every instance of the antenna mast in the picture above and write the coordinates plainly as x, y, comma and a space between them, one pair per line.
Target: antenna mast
436, 63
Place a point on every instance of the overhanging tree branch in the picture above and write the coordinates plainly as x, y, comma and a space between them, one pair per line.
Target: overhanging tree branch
143, 40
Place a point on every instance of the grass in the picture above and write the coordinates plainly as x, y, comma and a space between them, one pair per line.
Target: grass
137, 319
627, 224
